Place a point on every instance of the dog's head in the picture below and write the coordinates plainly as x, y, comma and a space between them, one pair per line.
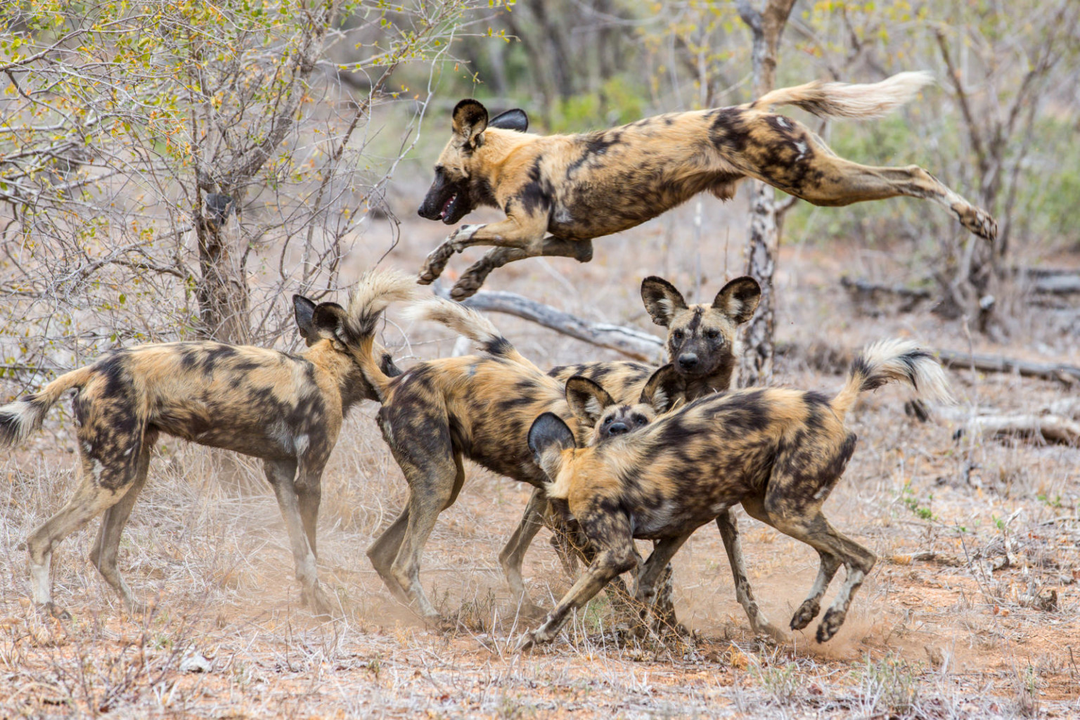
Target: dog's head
594, 407
456, 190
701, 338
325, 321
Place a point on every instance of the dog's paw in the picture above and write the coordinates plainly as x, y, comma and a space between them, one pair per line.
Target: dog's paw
979, 222
466, 286
435, 264
806, 612
527, 642
319, 601
51, 609
767, 629
830, 624
460, 238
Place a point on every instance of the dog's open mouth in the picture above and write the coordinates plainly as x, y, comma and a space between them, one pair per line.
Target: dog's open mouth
447, 213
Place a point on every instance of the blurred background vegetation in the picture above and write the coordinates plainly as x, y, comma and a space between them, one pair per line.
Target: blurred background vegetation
171, 169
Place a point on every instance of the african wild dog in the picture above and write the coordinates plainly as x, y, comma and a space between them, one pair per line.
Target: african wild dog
286, 409
440, 411
778, 452
561, 191
700, 344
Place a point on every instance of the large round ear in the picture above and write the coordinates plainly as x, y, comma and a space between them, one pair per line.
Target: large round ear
661, 299
470, 121
665, 389
586, 399
515, 119
303, 309
328, 319
739, 299
548, 437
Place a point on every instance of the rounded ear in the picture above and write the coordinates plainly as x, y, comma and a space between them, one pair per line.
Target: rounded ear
739, 299
586, 399
515, 119
548, 437
470, 121
666, 388
661, 299
303, 309
328, 319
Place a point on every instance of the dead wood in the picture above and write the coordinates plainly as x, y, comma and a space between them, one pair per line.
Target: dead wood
633, 343
1068, 374
1049, 427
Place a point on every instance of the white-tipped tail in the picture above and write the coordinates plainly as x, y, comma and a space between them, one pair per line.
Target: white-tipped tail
19, 419
894, 361
875, 99
374, 293
462, 320
835, 99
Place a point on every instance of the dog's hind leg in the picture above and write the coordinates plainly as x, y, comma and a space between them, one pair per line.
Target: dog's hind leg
729, 532
282, 477
100, 487
105, 552
475, 275
435, 474
787, 155
385, 548
513, 553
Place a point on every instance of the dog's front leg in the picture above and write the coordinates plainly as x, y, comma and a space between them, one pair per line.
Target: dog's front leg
524, 232
473, 278
612, 534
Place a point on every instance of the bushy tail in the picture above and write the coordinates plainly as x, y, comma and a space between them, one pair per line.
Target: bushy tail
24, 416
373, 294
836, 99
893, 360
468, 322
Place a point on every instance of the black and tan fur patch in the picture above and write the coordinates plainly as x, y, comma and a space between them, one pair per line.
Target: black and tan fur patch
561, 191
285, 409
778, 452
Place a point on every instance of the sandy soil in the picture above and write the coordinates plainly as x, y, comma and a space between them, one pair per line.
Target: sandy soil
972, 611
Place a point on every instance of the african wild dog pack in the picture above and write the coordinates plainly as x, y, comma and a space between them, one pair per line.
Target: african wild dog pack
614, 451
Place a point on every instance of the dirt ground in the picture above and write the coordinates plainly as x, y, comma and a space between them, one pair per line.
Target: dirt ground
972, 611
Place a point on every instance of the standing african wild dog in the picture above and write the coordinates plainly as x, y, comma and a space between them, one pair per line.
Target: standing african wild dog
285, 409
561, 191
700, 344
440, 411
778, 452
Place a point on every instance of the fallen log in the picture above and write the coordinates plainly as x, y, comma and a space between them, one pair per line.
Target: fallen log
1051, 428
633, 343
1068, 374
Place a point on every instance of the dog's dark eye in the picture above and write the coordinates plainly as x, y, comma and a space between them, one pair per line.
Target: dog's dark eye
677, 336
712, 334
639, 420
607, 421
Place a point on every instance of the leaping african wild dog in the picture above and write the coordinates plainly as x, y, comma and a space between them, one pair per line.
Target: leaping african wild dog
285, 409
561, 191
439, 412
778, 452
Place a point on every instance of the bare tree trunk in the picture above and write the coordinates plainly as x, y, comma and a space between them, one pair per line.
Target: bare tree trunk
222, 291
756, 363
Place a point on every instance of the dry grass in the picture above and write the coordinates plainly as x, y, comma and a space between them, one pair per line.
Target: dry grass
969, 630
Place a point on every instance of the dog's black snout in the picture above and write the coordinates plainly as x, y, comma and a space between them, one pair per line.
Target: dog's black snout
688, 361
618, 428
